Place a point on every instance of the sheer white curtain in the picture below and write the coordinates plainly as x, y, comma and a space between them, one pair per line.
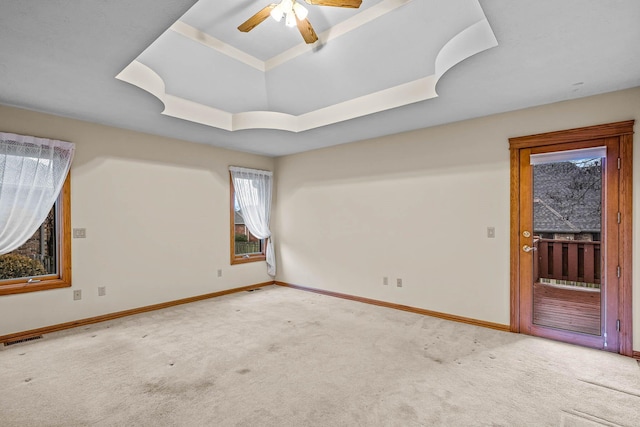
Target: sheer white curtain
32, 172
253, 190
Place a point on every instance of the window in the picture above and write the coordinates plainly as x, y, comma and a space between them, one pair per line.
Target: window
245, 247
44, 261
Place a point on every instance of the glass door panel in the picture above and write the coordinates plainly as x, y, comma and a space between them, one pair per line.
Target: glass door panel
567, 239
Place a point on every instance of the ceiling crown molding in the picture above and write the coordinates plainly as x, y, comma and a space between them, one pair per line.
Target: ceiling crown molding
470, 40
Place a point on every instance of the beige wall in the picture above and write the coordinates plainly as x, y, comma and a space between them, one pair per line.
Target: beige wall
156, 212
413, 206
417, 206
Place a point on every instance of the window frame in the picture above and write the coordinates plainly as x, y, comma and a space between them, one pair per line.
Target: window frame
63, 242
241, 258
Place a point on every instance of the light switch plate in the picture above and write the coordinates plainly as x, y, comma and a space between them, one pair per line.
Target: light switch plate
79, 233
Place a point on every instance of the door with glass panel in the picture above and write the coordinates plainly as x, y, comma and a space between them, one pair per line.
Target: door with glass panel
568, 218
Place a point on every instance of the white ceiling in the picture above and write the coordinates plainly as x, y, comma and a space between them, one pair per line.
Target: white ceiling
235, 81
375, 70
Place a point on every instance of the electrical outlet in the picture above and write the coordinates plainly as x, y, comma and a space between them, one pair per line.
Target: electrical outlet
220, 273
385, 281
491, 232
399, 283
77, 295
102, 291
79, 233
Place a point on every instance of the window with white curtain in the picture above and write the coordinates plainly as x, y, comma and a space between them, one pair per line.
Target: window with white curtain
246, 244
251, 239
34, 213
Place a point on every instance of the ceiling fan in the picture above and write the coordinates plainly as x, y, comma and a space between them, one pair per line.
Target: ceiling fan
295, 14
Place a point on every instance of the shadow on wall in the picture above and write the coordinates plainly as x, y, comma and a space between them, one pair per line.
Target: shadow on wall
446, 150
96, 144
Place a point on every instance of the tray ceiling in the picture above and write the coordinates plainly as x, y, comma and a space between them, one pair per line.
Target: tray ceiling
375, 70
206, 71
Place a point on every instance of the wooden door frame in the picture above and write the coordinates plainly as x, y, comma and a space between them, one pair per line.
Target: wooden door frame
624, 132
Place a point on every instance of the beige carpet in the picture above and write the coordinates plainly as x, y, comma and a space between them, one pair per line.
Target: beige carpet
284, 357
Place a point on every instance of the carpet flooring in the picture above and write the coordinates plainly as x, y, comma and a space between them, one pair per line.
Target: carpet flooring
284, 357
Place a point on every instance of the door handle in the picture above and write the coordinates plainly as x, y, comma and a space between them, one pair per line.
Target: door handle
528, 248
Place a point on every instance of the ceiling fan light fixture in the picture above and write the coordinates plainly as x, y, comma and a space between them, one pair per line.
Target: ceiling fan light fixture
295, 15
291, 19
287, 5
277, 12
300, 11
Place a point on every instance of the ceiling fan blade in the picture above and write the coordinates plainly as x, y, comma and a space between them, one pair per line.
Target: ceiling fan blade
336, 3
256, 19
306, 30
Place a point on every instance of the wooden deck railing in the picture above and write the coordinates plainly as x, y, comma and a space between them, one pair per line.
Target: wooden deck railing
572, 260
247, 247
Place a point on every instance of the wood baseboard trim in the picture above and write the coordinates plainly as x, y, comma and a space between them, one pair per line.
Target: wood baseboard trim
452, 317
636, 355
97, 319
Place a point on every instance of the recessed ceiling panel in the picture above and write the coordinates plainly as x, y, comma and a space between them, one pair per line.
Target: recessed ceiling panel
397, 51
387, 54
